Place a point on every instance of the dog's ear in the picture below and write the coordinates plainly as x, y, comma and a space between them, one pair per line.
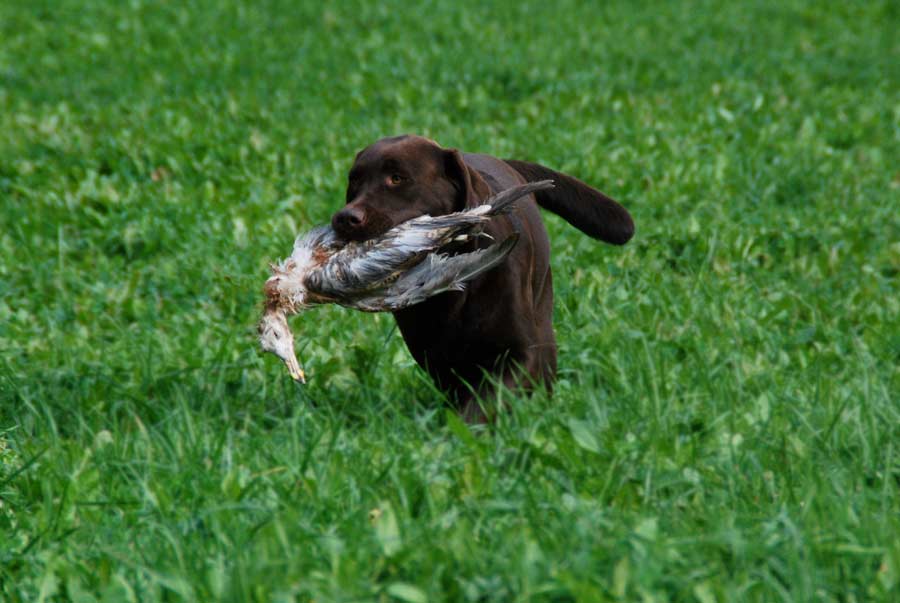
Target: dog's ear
471, 187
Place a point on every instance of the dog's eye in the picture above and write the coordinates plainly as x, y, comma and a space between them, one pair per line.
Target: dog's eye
395, 179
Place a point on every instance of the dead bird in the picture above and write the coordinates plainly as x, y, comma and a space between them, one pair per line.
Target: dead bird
400, 268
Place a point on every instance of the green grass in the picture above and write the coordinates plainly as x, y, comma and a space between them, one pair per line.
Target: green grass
726, 426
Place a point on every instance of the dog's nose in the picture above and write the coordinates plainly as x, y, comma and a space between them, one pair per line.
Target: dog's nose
349, 221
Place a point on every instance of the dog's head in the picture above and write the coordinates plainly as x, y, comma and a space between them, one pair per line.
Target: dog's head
400, 178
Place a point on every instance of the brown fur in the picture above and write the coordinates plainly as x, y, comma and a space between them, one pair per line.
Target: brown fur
501, 325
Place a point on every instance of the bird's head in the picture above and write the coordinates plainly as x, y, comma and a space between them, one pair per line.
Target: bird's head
275, 336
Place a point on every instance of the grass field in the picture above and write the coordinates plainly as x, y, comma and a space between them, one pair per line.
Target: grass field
726, 426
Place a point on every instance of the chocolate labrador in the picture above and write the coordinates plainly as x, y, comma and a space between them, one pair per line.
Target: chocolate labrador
500, 328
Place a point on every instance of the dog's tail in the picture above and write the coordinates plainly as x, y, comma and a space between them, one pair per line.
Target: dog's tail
585, 208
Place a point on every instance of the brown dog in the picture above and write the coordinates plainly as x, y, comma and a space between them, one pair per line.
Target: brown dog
501, 325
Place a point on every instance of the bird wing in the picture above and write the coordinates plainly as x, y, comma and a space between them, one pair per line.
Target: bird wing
377, 262
353, 272
441, 273
359, 269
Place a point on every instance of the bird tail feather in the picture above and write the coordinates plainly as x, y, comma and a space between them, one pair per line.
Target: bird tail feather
503, 201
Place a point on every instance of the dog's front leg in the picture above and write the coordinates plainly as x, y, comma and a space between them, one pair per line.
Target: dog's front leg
483, 405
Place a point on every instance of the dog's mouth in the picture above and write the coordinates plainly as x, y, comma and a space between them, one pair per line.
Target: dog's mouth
376, 224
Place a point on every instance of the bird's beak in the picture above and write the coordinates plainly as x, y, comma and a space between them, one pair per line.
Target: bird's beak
295, 370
